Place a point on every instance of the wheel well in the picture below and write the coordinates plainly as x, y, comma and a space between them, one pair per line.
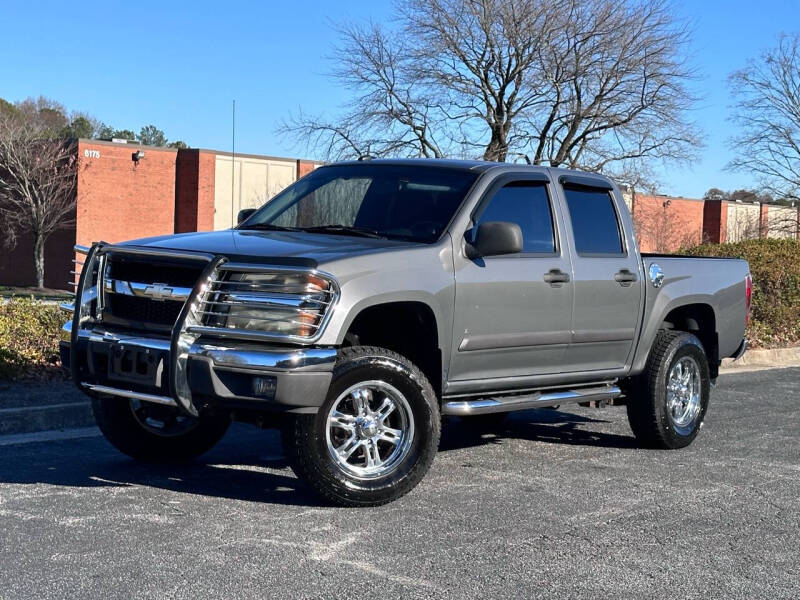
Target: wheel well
698, 319
408, 328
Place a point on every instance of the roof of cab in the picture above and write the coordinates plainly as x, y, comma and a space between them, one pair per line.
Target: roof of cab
449, 163
476, 166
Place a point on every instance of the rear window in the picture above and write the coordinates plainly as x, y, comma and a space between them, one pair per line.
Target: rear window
594, 221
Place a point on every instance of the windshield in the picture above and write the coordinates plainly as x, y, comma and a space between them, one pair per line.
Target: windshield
391, 201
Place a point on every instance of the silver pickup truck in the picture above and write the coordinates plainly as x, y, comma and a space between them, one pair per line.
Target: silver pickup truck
371, 298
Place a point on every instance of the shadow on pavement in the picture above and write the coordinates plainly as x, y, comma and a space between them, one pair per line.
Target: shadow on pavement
248, 464
242, 467
539, 425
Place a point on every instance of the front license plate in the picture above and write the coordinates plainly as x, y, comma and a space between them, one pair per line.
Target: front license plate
137, 365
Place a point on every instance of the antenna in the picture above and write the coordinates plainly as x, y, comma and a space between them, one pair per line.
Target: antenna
233, 158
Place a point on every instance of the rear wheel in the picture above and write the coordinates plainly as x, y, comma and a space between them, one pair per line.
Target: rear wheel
671, 396
375, 436
155, 433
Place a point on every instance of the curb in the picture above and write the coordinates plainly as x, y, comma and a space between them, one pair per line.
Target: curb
29, 407
29, 419
773, 358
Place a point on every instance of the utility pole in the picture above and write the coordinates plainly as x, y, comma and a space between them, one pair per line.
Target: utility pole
233, 161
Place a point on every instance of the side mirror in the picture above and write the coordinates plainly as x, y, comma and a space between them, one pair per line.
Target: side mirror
494, 238
244, 214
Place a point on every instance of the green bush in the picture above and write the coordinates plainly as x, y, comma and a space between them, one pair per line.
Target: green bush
775, 267
29, 333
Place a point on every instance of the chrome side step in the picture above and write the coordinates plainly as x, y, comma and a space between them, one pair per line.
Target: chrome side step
102, 389
525, 401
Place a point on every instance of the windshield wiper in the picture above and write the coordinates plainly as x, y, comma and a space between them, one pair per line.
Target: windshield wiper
268, 227
346, 230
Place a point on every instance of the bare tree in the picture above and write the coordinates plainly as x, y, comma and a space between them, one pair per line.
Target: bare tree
595, 84
38, 179
389, 113
767, 112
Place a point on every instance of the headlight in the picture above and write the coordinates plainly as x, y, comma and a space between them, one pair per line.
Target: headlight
281, 303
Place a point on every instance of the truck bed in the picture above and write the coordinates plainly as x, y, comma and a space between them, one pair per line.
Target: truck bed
716, 282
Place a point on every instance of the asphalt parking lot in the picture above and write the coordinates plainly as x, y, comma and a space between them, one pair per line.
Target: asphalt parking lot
556, 504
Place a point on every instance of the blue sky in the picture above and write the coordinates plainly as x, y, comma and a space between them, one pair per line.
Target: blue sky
178, 65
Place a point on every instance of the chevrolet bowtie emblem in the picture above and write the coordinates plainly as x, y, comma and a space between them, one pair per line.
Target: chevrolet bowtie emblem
158, 291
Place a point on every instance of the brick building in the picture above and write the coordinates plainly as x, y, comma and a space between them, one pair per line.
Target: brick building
128, 191
666, 223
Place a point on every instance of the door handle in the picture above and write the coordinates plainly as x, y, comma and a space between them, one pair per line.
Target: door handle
556, 277
625, 277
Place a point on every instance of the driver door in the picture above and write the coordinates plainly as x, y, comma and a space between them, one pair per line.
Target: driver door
513, 313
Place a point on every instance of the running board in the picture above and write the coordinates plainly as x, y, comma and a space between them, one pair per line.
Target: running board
526, 401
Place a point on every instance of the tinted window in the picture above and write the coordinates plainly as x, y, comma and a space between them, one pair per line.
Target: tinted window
594, 221
410, 203
527, 205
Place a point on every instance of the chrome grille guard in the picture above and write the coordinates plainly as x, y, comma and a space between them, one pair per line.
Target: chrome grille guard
211, 292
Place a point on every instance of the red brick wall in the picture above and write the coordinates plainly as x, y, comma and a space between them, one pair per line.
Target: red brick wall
665, 224
186, 172
207, 162
194, 191
304, 167
17, 269
715, 221
119, 199
763, 220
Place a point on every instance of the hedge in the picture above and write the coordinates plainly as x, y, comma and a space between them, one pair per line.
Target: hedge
29, 333
775, 267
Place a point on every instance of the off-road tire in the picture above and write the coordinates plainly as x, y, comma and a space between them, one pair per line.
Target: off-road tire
119, 426
304, 435
647, 408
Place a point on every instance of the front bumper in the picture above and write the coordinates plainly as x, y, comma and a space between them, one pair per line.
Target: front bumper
250, 376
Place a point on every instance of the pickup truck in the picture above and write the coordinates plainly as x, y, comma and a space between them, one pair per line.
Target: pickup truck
371, 298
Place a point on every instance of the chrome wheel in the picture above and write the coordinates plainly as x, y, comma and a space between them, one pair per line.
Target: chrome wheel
369, 429
163, 421
684, 394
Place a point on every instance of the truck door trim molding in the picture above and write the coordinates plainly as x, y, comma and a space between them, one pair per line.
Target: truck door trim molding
514, 340
585, 336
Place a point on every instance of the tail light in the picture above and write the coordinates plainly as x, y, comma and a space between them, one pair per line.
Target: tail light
748, 294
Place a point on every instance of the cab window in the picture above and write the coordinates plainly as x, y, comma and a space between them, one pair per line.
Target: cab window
594, 221
525, 203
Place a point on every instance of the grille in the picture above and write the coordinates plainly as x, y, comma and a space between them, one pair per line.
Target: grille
129, 278
142, 311
152, 269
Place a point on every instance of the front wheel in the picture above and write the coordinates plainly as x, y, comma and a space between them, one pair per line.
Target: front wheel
155, 433
374, 437
671, 395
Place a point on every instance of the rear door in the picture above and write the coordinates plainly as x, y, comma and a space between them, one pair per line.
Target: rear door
513, 313
606, 273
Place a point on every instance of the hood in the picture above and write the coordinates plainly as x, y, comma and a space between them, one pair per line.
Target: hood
283, 247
